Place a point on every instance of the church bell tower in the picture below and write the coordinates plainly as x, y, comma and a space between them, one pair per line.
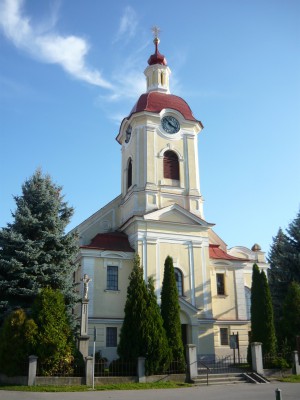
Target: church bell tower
159, 148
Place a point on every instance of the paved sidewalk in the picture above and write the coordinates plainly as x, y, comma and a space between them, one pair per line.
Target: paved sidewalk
290, 391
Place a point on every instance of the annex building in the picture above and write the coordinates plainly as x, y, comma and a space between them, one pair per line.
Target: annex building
159, 213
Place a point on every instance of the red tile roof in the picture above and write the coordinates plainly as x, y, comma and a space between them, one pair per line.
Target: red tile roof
157, 101
216, 253
116, 241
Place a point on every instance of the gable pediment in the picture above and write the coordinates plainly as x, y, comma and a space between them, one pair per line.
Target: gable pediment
176, 214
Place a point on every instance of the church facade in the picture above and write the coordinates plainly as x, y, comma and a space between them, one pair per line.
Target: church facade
159, 213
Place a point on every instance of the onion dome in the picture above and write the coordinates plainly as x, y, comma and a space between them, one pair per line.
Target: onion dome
157, 57
256, 247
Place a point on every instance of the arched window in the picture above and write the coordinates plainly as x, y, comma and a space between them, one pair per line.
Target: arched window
179, 281
129, 174
171, 165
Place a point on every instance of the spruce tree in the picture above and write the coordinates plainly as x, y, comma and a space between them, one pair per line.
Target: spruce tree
262, 320
170, 312
132, 344
284, 261
293, 232
35, 252
291, 315
279, 275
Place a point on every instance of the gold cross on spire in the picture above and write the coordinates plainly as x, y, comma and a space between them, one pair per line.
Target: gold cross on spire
156, 31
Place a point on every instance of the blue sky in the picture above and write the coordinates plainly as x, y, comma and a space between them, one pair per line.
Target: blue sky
70, 70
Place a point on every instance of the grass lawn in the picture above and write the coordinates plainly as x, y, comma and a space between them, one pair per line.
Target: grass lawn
83, 388
291, 378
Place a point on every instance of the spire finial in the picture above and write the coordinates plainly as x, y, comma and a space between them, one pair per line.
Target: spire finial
156, 58
155, 30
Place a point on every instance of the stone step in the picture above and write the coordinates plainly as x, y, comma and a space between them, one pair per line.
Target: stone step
219, 379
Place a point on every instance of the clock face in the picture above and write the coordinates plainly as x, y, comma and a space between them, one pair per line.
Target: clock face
170, 124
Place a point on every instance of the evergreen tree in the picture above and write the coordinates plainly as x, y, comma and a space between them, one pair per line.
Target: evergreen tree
35, 252
17, 342
279, 274
269, 336
284, 261
158, 351
294, 249
262, 320
256, 306
142, 333
291, 315
170, 312
54, 346
132, 344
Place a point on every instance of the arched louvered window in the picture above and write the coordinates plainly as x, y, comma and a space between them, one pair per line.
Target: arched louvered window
171, 165
179, 281
129, 174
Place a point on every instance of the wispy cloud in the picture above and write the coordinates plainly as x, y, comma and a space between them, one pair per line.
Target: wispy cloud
43, 43
128, 25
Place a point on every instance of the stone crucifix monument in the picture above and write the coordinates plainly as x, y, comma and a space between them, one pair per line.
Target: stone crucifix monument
83, 339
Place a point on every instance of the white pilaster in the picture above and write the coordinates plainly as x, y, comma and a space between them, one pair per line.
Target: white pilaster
240, 294
192, 273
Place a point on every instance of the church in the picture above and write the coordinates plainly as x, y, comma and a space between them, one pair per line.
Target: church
159, 213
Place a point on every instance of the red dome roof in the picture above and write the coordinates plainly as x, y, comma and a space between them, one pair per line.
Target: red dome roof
157, 101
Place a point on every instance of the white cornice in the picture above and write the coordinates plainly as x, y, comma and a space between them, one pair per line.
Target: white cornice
155, 215
232, 322
235, 264
106, 321
95, 253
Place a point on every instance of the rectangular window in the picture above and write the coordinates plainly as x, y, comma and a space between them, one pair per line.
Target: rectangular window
112, 277
111, 337
220, 284
224, 336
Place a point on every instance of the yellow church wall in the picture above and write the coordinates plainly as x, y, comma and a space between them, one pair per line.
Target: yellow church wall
151, 257
166, 201
178, 229
205, 339
224, 306
225, 350
109, 352
180, 256
199, 264
248, 279
109, 303
150, 155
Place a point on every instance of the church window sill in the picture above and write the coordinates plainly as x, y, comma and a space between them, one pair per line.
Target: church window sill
111, 291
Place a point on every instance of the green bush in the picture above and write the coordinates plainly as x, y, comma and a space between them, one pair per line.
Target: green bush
281, 363
55, 345
17, 341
